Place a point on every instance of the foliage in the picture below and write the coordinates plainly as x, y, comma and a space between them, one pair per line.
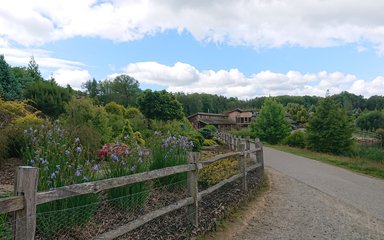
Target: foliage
375, 103
209, 142
271, 125
244, 132
14, 117
137, 119
380, 133
61, 161
122, 89
208, 131
218, 171
10, 89
298, 112
371, 153
167, 151
81, 113
5, 227
48, 97
114, 108
160, 105
122, 160
330, 129
295, 139
371, 120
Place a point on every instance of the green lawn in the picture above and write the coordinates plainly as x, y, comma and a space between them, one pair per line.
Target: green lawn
369, 167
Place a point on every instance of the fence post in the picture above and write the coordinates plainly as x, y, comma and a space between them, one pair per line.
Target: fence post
25, 219
243, 167
193, 191
259, 154
247, 146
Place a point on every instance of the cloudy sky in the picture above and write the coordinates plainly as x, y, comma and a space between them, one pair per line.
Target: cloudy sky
233, 48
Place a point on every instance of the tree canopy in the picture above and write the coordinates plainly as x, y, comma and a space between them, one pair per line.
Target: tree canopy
330, 128
160, 105
271, 125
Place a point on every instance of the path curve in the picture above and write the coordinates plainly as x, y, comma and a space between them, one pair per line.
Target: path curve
312, 200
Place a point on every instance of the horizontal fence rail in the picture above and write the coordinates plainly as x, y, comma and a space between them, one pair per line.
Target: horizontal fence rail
23, 205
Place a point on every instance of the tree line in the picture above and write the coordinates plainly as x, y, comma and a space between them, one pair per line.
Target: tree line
27, 83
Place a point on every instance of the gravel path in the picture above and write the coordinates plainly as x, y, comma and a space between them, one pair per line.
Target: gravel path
312, 200
294, 210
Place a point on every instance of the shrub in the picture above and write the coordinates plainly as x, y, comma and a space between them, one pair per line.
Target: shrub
48, 97
82, 112
244, 132
295, 139
168, 151
208, 131
218, 171
209, 142
61, 161
370, 153
122, 160
114, 108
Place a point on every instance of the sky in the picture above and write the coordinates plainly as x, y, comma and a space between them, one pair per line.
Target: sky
242, 48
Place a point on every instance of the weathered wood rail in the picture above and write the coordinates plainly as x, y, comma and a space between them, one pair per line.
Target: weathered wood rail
26, 198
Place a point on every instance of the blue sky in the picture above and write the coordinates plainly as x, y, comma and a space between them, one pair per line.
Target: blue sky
238, 49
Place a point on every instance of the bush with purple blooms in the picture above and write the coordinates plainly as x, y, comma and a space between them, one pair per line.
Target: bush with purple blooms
61, 161
167, 151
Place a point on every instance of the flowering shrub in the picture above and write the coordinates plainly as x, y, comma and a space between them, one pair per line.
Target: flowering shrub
61, 161
121, 160
168, 151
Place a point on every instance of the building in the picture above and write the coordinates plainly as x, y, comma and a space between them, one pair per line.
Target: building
234, 119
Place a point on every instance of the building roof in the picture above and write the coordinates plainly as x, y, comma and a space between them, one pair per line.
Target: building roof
239, 110
218, 121
207, 114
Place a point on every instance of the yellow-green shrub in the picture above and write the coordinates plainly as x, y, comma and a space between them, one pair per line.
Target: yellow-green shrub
218, 171
209, 142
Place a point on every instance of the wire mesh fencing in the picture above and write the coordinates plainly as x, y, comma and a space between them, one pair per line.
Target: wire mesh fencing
87, 216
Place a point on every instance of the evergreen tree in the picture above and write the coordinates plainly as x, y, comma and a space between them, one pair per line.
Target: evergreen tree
271, 125
33, 70
48, 97
330, 128
10, 89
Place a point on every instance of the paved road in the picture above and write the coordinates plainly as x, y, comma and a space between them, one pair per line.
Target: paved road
360, 191
312, 200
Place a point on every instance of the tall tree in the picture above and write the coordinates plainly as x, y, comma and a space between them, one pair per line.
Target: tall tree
123, 90
33, 70
271, 125
160, 105
330, 128
10, 89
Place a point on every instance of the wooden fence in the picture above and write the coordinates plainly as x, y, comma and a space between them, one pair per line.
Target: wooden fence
26, 198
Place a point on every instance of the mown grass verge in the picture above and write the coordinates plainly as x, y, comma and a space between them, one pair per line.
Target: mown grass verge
361, 165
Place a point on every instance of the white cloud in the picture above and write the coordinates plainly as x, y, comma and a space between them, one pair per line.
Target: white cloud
183, 77
75, 77
65, 71
257, 23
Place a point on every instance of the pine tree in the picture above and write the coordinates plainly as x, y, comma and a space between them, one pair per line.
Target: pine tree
33, 70
10, 89
330, 128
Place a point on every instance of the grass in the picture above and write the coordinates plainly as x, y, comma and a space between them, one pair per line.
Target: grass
360, 165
